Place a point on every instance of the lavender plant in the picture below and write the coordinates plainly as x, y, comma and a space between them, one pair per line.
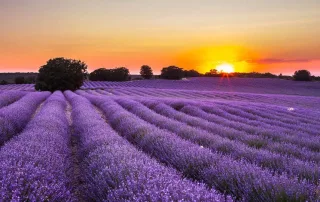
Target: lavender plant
113, 170
33, 165
238, 178
9, 97
272, 161
15, 117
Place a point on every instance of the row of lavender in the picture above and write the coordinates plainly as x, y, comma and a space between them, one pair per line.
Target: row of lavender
248, 85
272, 114
191, 137
131, 175
203, 156
281, 100
37, 165
287, 101
21, 87
252, 85
220, 139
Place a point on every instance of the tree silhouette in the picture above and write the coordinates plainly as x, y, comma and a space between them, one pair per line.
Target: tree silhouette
172, 72
302, 75
146, 72
191, 73
61, 74
117, 74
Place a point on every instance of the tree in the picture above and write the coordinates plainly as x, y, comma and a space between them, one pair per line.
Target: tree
213, 73
146, 72
100, 74
302, 75
120, 74
191, 73
61, 74
19, 80
117, 74
280, 76
172, 72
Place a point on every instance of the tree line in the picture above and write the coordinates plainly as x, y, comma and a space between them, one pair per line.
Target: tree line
68, 74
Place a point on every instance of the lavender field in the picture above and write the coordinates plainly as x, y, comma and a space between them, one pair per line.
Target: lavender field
245, 85
191, 140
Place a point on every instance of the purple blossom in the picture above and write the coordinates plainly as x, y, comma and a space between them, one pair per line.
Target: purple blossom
113, 170
9, 97
33, 165
238, 178
14, 118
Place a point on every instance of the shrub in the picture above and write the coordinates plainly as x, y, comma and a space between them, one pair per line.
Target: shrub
316, 78
137, 79
146, 72
117, 74
302, 75
61, 74
172, 72
30, 79
3, 82
19, 80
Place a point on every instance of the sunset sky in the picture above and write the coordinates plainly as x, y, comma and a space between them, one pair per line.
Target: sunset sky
278, 36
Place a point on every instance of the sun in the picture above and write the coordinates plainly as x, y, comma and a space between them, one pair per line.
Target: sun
225, 68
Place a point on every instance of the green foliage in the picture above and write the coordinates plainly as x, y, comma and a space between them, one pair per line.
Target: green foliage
19, 80
117, 74
172, 73
61, 74
146, 72
302, 75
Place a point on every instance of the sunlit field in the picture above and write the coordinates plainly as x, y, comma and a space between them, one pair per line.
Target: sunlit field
203, 139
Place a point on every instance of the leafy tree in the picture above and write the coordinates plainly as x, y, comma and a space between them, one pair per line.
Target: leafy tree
61, 74
302, 75
191, 73
146, 72
117, 74
19, 80
120, 74
99, 74
213, 73
172, 72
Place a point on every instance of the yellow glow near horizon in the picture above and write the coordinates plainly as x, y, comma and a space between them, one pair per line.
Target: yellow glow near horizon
225, 68
207, 58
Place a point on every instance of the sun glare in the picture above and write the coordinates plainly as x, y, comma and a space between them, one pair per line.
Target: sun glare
225, 68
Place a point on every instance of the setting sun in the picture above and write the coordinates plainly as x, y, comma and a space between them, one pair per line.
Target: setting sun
225, 68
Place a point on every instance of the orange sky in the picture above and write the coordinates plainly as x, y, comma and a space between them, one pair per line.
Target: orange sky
265, 36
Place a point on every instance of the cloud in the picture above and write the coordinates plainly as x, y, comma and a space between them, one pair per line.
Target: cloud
278, 60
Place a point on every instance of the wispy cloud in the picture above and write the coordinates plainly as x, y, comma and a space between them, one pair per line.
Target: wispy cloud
278, 60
